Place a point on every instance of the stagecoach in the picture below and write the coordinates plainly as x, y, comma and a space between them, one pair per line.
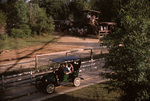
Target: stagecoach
49, 81
84, 27
80, 26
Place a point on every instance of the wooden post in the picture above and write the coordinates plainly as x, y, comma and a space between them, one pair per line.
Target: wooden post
31, 77
66, 53
91, 56
107, 29
3, 83
36, 62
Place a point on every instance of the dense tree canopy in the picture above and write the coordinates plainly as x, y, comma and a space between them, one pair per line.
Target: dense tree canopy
39, 20
2, 18
108, 8
18, 15
129, 51
56, 8
76, 6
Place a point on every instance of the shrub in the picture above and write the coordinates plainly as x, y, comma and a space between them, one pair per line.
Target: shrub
22, 32
34, 33
129, 55
2, 18
26, 30
40, 22
3, 36
17, 33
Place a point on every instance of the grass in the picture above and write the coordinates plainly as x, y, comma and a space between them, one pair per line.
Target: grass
18, 43
97, 92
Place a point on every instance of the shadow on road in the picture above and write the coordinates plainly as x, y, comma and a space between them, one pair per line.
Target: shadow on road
20, 58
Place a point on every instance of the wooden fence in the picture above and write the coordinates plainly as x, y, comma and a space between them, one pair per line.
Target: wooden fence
66, 53
30, 76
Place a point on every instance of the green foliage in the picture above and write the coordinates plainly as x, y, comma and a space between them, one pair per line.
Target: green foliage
58, 9
10, 43
2, 18
17, 33
18, 20
3, 36
76, 6
22, 32
50, 26
22, 11
61, 9
39, 20
18, 15
108, 8
129, 55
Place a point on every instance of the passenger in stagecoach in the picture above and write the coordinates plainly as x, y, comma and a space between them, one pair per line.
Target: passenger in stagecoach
61, 72
61, 68
68, 68
88, 17
94, 19
71, 68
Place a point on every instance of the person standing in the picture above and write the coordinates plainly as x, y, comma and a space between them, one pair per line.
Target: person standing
88, 17
93, 20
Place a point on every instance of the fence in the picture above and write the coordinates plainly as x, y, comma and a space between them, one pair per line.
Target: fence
44, 59
29, 77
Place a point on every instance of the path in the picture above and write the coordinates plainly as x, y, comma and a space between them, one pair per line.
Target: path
64, 43
29, 92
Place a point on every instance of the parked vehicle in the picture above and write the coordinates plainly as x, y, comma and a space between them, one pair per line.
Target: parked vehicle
49, 81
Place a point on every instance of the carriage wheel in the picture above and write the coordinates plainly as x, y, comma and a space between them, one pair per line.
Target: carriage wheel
77, 82
38, 84
50, 88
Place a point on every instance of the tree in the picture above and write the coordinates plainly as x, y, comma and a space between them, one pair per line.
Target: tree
129, 55
108, 9
58, 9
75, 6
18, 15
2, 18
40, 22
18, 19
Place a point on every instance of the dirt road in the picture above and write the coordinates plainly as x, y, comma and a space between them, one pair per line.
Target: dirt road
24, 58
64, 43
